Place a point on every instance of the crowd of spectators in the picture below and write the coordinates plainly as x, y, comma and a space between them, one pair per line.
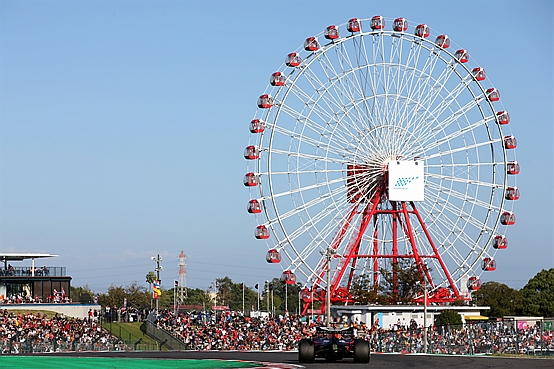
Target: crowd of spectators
470, 339
234, 331
35, 332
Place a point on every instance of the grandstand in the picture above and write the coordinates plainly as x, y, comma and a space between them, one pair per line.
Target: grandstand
37, 287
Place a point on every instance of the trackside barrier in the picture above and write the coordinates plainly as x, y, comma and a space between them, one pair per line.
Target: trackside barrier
470, 339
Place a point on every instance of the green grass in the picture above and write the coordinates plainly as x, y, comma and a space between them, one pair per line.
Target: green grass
55, 362
131, 333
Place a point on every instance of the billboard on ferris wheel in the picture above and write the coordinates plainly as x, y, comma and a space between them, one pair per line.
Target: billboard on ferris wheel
406, 180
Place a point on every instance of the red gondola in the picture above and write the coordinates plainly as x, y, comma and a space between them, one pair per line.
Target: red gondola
503, 117
251, 152
254, 207
311, 44
251, 180
493, 94
273, 256
488, 264
306, 294
400, 25
474, 283
331, 32
288, 277
256, 126
513, 167
462, 56
512, 193
377, 22
500, 242
508, 218
293, 60
277, 79
479, 73
422, 30
265, 101
262, 232
510, 142
443, 41
354, 25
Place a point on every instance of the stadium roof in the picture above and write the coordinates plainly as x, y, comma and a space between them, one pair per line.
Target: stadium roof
16, 256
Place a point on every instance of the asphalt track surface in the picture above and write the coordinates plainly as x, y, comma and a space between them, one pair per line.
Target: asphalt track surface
377, 360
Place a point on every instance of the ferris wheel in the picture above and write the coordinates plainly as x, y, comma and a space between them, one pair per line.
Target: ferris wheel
381, 144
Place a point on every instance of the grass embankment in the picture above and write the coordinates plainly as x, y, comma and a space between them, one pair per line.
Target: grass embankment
131, 334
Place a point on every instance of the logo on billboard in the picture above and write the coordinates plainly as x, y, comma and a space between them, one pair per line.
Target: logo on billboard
404, 181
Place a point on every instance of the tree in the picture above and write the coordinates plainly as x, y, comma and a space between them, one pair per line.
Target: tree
223, 290
451, 318
151, 278
137, 296
114, 297
198, 297
82, 294
402, 283
501, 299
538, 294
363, 291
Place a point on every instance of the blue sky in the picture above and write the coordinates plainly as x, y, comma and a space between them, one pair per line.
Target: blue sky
122, 126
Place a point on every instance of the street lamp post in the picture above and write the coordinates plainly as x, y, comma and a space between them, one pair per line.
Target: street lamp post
424, 285
329, 255
286, 299
158, 269
424, 317
267, 285
299, 294
242, 298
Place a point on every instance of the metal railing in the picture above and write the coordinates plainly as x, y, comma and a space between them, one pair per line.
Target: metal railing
163, 337
470, 339
38, 272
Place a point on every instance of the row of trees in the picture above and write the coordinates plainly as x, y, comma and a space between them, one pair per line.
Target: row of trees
536, 298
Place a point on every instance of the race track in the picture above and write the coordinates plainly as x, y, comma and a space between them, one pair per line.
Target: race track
377, 360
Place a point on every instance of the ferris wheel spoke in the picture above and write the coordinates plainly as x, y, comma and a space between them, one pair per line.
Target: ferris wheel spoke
467, 148
444, 105
439, 85
460, 214
300, 155
465, 181
306, 206
304, 188
422, 88
315, 127
313, 142
447, 242
449, 137
357, 75
348, 100
467, 199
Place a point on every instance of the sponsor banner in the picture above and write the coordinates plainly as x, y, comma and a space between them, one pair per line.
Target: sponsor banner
406, 180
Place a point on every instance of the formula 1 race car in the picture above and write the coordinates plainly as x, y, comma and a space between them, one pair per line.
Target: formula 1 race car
333, 344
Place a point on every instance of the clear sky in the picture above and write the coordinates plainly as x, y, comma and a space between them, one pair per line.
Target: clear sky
122, 126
